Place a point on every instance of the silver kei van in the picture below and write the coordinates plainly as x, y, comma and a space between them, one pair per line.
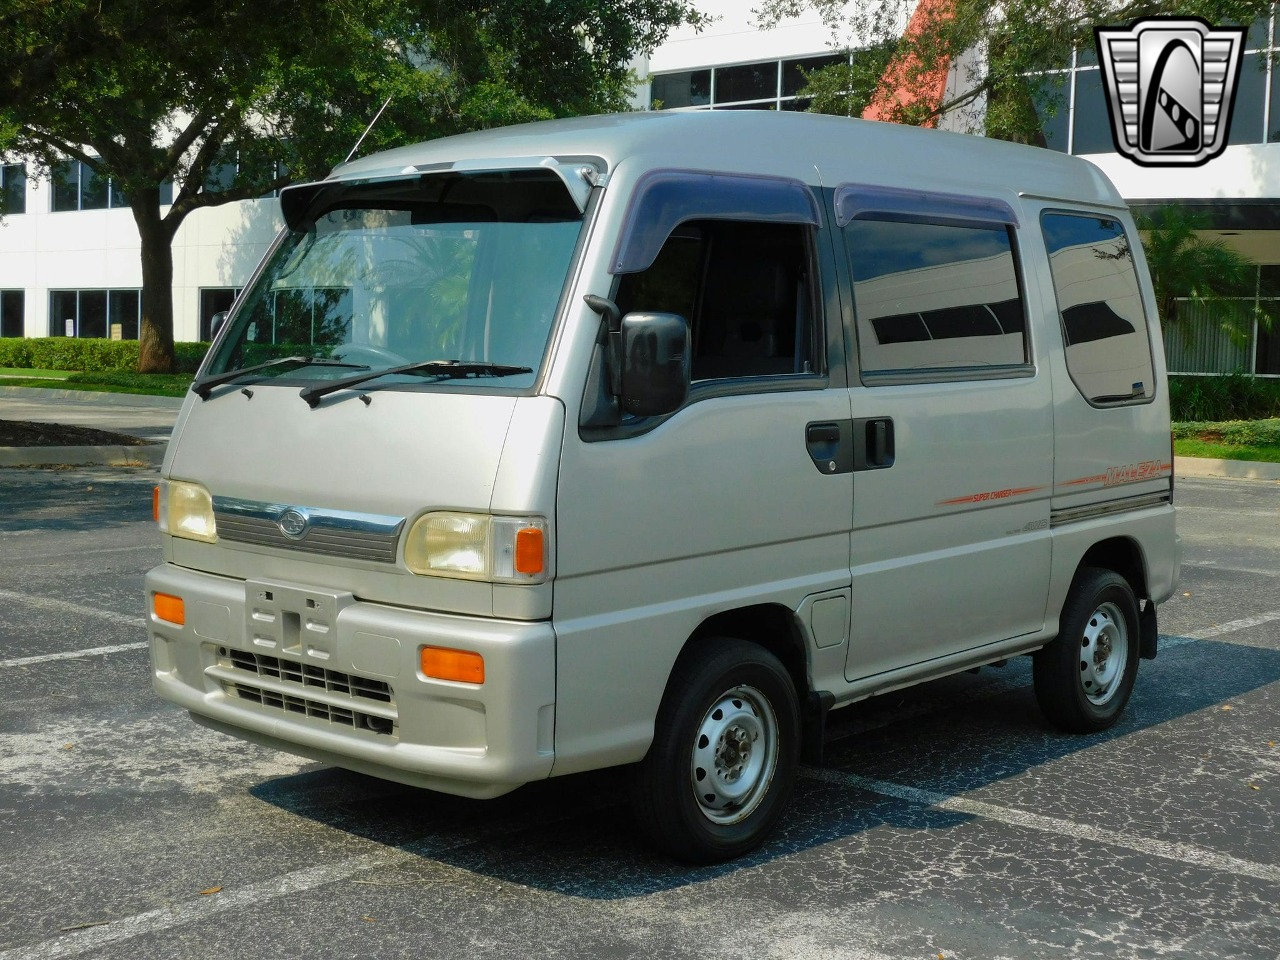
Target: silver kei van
644, 441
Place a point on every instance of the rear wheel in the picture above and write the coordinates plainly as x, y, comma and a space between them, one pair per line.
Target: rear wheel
1083, 679
724, 755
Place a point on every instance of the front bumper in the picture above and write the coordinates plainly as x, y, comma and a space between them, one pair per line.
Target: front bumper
336, 679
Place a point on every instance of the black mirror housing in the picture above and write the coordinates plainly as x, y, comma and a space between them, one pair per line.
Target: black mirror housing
655, 363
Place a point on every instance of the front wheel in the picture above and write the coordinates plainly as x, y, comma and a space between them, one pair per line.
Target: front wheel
1084, 677
724, 756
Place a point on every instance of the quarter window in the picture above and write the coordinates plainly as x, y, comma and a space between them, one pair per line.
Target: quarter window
1100, 304
935, 300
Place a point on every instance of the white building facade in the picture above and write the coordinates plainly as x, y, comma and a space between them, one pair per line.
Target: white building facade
69, 257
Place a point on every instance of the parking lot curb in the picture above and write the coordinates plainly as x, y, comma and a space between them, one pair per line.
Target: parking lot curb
91, 397
1231, 469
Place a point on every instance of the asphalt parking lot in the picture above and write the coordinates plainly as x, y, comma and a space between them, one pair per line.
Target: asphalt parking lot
945, 821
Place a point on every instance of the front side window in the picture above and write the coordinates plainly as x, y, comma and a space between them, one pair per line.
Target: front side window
935, 300
1100, 304
745, 289
461, 269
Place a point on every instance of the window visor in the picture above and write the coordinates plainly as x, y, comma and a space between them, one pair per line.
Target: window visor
664, 199
859, 202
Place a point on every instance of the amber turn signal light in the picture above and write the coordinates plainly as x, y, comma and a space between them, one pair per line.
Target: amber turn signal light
170, 608
443, 663
529, 551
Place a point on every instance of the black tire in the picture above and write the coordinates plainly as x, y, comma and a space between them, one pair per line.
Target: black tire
1084, 677
726, 747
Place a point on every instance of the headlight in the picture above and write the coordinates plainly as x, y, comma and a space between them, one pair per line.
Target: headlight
473, 546
186, 510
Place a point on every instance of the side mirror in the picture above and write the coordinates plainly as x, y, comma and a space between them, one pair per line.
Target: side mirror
216, 322
655, 363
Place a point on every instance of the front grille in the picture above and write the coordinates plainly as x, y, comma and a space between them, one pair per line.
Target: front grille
332, 533
307, 690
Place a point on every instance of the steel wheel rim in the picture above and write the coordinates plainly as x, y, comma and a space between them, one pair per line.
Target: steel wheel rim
1104, 653
735, 753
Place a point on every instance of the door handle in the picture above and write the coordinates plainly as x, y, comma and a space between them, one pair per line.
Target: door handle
874, 447
830, 444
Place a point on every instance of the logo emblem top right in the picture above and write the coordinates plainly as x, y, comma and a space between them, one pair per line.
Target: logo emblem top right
1171, 84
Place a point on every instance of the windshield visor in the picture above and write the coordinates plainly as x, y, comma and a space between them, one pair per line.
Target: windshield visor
438, 267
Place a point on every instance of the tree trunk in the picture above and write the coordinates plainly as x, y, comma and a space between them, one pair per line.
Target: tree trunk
155, 337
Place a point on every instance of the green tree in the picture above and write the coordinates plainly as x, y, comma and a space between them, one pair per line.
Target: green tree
1186, 266
230, 99
1015, 42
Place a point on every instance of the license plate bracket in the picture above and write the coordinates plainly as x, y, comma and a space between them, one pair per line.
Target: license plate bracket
293, 619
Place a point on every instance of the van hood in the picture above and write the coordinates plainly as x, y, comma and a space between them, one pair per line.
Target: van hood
402, 453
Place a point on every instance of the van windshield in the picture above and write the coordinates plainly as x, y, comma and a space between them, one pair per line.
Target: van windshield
459, 268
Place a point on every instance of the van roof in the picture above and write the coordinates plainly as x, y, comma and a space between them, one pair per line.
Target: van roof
814, 148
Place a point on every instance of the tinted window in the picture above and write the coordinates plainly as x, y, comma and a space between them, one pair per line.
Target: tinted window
935, 297
1103, 323
745, 290
690, 89
13, 188
1247, 115
12, 308
1091, 121
754, 81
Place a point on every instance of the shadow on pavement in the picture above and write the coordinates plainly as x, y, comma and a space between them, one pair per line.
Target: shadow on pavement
575, 835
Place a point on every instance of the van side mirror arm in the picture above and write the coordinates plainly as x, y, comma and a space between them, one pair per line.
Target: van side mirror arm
612, 316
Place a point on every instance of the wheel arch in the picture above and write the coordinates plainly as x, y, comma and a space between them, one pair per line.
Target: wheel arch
772, 626
1124, 555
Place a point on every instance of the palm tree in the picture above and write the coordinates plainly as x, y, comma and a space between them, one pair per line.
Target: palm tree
1186, 266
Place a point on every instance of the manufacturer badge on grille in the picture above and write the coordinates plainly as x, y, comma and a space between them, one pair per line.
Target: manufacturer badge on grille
293, 524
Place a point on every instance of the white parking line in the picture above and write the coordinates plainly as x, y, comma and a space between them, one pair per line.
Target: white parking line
65, 606
1232, 626
164, 918
72, 654
1180, 852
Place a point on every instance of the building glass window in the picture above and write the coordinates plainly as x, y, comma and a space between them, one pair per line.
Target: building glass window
79, 187
1251, 92
13, 188
689, 89
751, 81
12, 313
1091, 121
793, 72
1052, 92
766, 85
109, 314
1100, 305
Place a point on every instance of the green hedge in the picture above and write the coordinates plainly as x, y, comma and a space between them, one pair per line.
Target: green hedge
1217, 399
89, 355
1247, 433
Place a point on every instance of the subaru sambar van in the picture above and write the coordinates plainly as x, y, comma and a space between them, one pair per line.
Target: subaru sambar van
645, 441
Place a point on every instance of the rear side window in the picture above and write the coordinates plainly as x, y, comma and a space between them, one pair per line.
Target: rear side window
1100, 305
936, 300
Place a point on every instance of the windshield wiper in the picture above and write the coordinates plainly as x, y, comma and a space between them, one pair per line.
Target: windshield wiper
447, 369
204, 386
